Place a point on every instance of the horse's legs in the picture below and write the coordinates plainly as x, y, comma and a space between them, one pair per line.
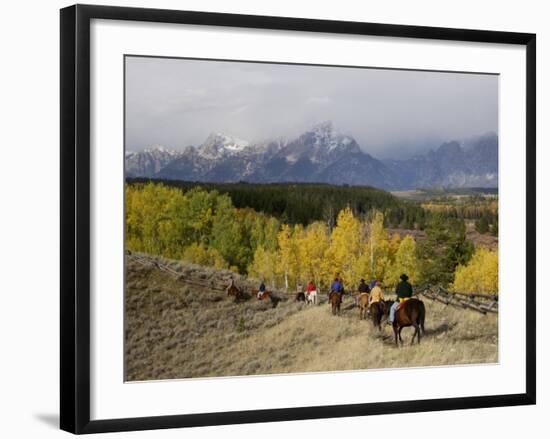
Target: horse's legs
395, 330
416, 333
400, 329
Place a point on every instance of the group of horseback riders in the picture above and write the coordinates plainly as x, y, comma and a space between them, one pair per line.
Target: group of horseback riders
403, 291
371, 300
405, 311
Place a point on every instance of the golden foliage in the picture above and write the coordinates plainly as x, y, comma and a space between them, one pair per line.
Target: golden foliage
405, 262
480, 274
341, 256
203, 255
204, 227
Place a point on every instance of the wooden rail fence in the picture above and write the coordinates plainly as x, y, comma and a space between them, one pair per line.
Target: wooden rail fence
483, 303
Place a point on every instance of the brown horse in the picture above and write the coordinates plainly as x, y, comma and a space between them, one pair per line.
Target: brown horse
335, 299
377, 311
239, 295
267, 295
363, 304
263, 296
410, 313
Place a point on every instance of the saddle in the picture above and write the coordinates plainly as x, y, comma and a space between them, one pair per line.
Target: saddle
402, 303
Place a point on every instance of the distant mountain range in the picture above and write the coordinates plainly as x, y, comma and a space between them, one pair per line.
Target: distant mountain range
323, 155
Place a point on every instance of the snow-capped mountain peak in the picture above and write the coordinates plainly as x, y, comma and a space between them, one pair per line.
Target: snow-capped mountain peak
322, 140
326, 136
219, 144
150, 160
320, 154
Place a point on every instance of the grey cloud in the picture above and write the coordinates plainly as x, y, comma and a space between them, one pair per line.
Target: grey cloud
178, 102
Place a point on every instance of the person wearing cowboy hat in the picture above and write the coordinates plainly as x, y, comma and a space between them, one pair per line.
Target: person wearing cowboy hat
404, 292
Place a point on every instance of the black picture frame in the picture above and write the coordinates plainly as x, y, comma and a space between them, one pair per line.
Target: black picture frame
75, 217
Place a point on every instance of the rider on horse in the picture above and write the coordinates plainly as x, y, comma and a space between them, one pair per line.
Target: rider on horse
310, 287
376, 294
404, 292
363, 288
261, 290
336, 286
231, 284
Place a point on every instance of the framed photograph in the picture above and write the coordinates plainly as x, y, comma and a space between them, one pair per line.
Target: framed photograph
274, 218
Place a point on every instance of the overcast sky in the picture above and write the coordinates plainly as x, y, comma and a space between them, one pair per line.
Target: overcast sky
391, 113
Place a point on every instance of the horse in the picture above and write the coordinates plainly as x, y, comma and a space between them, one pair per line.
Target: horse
378, 310
264, 295
363, 304
300, 297
335, 299
232, 290
410, 313
311, 298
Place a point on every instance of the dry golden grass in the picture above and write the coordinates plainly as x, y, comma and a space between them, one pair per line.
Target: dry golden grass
174, 330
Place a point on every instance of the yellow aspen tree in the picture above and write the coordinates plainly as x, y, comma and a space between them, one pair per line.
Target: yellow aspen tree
363, 262
203, 255
263, 266
405, 262
363, 265
284, 241
379, 247
480, 275
313, 246
490, 272
344, 247
395, 243
296, 265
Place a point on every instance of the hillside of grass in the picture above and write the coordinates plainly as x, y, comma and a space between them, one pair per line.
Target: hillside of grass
184, 326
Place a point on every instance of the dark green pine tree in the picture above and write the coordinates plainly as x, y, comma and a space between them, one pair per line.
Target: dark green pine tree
482, 225
443, 249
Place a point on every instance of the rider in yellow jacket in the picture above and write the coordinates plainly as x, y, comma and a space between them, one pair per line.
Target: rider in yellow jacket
376, 294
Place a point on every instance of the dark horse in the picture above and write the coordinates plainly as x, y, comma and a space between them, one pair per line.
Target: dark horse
378, 310
335, 299
300, 297
410, 313
239, 295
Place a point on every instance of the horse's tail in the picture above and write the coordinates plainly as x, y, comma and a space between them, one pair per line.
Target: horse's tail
422, 316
